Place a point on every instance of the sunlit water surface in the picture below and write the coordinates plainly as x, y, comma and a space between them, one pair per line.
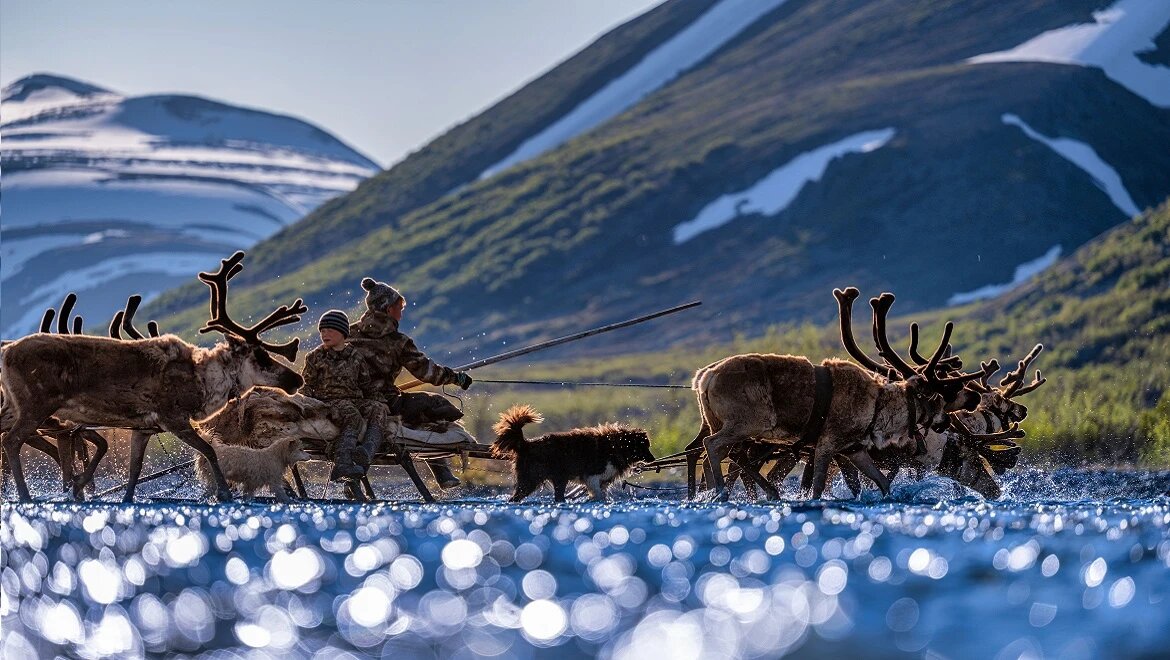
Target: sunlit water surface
1067, 565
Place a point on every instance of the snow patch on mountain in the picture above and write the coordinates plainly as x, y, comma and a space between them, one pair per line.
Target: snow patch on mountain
690, 46
1023, 273
1086, 158
107, 195
775, 192
1111, 44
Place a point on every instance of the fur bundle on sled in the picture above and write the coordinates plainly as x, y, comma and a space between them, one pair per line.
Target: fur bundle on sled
595, 456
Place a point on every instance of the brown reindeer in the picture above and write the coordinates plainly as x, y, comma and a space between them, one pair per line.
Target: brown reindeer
774, 398
62, 442
154, 383
976, 448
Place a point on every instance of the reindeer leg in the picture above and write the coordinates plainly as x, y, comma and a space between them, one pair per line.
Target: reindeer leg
24, 426
188, 435
758, 479
782, 467
820, 471
864, 462
66, 450
101, 446
806, 477
138, 440
717, 447
849, 473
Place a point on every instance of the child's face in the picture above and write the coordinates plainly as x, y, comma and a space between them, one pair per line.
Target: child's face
331, 338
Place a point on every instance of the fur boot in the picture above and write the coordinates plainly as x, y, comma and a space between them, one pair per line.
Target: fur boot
343, 457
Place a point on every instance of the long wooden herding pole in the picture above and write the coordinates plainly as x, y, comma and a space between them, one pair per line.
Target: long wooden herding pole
558, 341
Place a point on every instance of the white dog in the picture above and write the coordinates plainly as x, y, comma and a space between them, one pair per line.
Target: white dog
253, 469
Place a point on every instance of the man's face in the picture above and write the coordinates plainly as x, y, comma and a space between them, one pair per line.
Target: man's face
395, 310
331, 338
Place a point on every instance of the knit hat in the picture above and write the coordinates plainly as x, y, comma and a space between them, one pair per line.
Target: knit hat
379, 295
334, 319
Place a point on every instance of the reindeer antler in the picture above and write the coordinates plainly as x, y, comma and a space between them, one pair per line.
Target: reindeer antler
845, 300
124, 321
221, 321
951, 362
881, 308
63, 319
1012, 383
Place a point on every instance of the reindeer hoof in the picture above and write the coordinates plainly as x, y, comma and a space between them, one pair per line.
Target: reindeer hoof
224, 495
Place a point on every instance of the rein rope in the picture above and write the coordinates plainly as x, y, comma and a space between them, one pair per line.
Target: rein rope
565, 383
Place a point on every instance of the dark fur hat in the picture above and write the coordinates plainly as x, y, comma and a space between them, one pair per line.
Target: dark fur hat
379, 295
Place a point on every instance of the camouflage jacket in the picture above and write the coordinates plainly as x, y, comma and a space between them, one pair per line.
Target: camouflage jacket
387, 351
331, 374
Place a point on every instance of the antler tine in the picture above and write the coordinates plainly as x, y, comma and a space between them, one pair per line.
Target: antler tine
283, 315
132, 304
1011, 433
845, 300
66, 310
914, 346
77, 322
1040, 380
47, 319
989, 369
881, 307
116, 324
959, 378
152, 328
1011, 383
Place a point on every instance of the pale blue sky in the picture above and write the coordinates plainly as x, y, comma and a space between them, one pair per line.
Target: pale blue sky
384, 76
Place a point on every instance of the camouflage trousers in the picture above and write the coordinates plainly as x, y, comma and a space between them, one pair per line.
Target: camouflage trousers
349, 413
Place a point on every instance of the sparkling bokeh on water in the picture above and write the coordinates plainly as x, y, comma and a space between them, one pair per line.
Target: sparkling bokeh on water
1068, 565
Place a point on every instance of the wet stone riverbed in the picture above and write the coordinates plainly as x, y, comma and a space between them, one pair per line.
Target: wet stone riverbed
1067, 565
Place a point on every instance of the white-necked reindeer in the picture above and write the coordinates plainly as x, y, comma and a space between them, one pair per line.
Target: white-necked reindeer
154, 383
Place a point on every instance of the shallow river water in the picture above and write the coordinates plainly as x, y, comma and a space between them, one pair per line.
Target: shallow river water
1068, 564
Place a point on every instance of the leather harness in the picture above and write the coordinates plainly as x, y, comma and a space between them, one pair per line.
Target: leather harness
822, 398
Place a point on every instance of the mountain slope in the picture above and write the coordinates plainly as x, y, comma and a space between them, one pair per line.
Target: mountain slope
825, 142
108, 195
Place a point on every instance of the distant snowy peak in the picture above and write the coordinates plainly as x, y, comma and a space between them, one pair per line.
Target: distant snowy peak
42, 112
44, 93
108, 195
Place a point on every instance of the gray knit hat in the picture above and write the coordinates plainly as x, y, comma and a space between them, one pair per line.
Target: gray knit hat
334, 319
379, 295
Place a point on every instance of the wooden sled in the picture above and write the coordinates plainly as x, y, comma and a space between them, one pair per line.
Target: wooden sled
403, 448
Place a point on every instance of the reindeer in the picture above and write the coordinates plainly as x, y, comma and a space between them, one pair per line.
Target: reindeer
977, 446
979, 437
153, 383
55, 438
774, 398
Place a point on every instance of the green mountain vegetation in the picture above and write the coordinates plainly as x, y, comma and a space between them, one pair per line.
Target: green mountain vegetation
583, 234
1103, 315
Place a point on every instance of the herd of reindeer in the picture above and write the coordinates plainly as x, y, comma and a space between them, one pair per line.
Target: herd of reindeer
63, 390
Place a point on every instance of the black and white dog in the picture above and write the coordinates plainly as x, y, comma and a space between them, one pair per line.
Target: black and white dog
595, 456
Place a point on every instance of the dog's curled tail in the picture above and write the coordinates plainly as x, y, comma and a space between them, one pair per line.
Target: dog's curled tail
510, 429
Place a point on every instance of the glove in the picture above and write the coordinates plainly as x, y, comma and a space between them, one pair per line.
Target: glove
463, 380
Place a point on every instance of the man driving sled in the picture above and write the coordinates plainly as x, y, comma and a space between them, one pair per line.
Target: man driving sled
387, 351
